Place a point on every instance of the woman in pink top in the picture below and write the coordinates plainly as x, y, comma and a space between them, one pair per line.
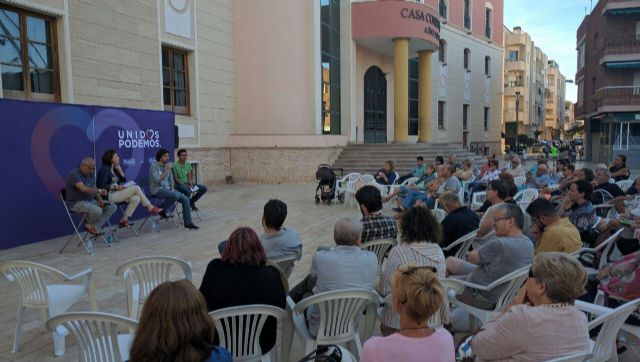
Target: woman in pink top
417, 295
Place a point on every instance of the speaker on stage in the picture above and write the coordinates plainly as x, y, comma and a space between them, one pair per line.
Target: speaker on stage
176, 138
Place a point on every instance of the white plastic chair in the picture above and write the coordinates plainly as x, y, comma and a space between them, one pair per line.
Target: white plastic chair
605, 247
285, 263
576, 357
625, 184
439, 214
50, 299
365, 178
520, 180
339, 311
239, 330
379, 247
526, 196
346, 185
97, 334
478, 199
142, 275
611, 321
407, 182
510, 282
464, 244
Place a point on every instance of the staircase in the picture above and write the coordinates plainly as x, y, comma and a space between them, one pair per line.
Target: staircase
370, 157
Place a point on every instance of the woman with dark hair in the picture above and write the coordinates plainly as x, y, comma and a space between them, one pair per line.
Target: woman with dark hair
618, 168
242, 277
175, 326
579, 209
419, 245
111, 178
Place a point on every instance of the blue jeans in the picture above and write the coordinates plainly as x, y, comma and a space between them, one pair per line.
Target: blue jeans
171, 196
187, 192
413, 196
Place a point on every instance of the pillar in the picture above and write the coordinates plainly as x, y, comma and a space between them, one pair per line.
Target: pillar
424, 96
401, 90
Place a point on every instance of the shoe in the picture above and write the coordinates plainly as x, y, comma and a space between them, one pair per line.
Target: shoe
92, 230
163, 214
125, 224
191, 226
155, 211
193, 207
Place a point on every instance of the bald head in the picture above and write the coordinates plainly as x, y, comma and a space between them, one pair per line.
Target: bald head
347, 231
449, 201
87, 165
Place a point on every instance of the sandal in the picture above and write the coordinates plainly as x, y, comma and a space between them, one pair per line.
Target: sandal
125, 223
155, 210
92, 230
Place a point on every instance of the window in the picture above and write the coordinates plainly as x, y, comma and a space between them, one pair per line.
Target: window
487, 66
593, 85
487, 116
442, 9
465, 117
442, 106
413, 96
488, 20
442, 52
330, 43
467, 54
581, 49
175, 81
467, 14
513, 55
28, 55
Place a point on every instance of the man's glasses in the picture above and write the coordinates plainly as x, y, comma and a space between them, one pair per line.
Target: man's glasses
496, 219
531, 275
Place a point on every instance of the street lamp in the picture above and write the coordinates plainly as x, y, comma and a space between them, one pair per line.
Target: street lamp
517, 111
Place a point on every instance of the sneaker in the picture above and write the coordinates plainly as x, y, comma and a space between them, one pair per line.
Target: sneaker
191, 226
193, 207
163, 214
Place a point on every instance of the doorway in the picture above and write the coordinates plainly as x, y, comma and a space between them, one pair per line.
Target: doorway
375, 106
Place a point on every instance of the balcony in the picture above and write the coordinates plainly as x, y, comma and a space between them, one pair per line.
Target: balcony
515, 39
515, 65
618, 99
510, 116
619, 48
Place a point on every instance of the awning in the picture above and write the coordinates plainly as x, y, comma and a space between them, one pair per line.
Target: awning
625, 11
623, 65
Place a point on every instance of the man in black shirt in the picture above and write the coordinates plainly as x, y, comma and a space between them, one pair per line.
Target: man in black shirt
459, 222
602, 180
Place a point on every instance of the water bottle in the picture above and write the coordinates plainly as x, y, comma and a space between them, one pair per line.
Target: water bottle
90, 247
109, 239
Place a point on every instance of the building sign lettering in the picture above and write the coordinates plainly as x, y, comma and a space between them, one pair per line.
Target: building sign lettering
433, 23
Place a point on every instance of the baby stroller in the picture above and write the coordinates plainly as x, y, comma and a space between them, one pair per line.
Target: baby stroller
326, 190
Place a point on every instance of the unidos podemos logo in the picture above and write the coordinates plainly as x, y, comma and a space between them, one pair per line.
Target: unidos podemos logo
149, 138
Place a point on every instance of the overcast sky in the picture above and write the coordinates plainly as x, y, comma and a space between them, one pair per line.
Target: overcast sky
552, 25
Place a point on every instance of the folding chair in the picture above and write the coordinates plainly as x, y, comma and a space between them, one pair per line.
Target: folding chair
85, 240
155, 219
122, 206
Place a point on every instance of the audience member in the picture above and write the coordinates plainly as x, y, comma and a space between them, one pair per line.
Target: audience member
174, 326
242, 277
485, 167
542, 322
386, 175
618, 168
499, 256
541, 178
407, 195
161, 178
459, 220
417, 171
83, 196
490, 175
584, 174
498, 191
452, 161
605, 191
540, 160
450, 181
515, 169
580, 211
374, 224
417, 295
343, 267
439, 161
465, 173
567, 178
633, 190
185, 182
552, 232
420, 236
111, 178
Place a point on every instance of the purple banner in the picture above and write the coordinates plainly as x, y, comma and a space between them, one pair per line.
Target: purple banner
40, 143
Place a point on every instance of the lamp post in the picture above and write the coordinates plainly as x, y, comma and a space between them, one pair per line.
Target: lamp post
517, 111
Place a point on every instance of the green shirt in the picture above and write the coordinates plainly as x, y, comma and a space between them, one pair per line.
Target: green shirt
182, 172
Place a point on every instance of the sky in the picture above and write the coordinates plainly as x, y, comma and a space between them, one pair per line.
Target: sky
552, 25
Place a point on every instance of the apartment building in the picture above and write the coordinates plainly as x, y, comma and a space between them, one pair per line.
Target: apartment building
555, 98
608, 79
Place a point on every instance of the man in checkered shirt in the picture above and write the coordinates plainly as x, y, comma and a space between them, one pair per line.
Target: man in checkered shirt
374, 224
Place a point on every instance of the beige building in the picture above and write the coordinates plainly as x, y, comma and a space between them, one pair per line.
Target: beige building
267, 90
555, 106
525, 79
569, 121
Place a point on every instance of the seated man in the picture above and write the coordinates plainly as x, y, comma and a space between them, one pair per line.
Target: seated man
82, 196
540, 180
417, 171
161, 180
183, 176
508, 251
374, 224
551, 231
490, 175
459, 221
343, 267
276, 240
608, 189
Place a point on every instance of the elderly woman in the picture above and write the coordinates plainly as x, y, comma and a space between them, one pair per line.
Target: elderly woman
419, 246
111, 178
417, 295
515, 168
580, 211
175, 326
241, 277
542, 323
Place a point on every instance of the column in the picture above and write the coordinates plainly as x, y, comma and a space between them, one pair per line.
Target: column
424, 96
401, 90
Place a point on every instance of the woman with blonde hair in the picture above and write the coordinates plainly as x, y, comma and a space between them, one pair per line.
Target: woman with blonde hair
542, 322
465, 173
417, 295
175, 326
